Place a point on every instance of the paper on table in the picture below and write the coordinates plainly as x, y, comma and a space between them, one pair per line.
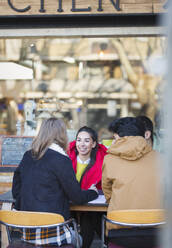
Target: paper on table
101, 199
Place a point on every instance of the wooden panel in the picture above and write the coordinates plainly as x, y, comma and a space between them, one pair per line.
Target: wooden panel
5, 182
63, 7
143, 1
160, 1
136, 8
4, 187
158, 8
137, 1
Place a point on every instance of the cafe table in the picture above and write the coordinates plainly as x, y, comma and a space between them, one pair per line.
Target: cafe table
6, 199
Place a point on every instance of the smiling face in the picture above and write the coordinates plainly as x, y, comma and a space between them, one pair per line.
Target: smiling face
84, 144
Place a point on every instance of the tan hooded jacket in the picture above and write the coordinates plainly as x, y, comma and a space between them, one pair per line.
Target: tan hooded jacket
131, 175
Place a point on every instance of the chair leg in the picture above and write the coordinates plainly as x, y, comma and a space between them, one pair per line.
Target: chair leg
103, 245
8, 234
4, 236
76, 233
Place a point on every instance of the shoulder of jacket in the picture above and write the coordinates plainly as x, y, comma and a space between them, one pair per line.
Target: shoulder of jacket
110, 159
27, 154
58, 155
62, 158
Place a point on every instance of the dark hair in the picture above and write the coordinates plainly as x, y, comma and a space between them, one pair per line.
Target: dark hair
127, 126
148, 124
94, 137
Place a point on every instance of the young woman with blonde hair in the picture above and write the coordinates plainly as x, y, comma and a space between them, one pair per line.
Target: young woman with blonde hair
45, 180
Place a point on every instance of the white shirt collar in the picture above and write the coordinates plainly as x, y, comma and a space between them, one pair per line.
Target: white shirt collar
57, 148
83, 162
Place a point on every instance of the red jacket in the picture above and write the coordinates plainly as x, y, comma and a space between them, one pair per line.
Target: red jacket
94, 174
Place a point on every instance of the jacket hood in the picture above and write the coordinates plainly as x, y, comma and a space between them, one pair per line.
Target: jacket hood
130, 147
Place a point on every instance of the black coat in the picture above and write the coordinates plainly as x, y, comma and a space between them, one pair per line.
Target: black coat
48, 184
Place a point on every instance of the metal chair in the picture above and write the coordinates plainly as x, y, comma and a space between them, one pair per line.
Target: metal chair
132, 226
24, 219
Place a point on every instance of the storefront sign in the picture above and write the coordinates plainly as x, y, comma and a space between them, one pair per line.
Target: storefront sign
75, 7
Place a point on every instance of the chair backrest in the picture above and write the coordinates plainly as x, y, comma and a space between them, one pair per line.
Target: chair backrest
33, 220
133, 218
25, 218
137, 217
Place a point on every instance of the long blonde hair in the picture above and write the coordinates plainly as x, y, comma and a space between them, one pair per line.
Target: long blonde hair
52, 130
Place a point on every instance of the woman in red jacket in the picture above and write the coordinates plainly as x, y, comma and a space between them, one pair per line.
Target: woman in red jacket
87, 159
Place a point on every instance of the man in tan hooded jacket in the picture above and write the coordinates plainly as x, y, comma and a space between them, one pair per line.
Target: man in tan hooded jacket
131, 169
